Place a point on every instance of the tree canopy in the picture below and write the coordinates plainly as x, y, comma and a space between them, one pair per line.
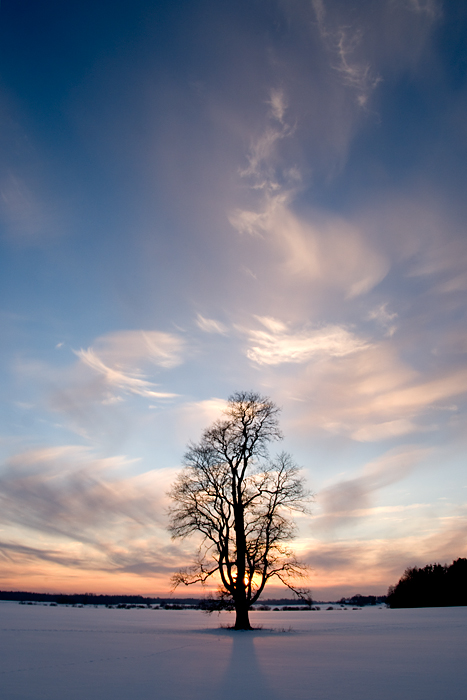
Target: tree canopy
434, 585
240, 502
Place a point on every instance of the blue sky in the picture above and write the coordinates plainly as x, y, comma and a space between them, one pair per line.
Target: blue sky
203, 197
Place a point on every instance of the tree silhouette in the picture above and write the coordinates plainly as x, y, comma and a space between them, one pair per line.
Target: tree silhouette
240, 502
432, 586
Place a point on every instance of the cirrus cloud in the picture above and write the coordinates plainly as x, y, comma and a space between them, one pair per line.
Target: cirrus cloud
276, 345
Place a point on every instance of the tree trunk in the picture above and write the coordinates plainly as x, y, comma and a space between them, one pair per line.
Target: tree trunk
242, 620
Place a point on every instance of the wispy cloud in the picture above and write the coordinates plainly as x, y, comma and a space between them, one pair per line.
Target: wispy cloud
323, 249
276, 345
351, 497
342, 42
361, 46
320, 12
359, 76
125, 348
115, 358
317, 247
384, 318
444, 259
117, 379
67, 494
372, 395
69, 491
278, 104
91, 393
195, 416
263, 171
209, 325
371, 564
432, 8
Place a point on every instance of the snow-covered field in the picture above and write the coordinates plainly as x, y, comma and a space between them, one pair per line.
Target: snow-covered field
60, 653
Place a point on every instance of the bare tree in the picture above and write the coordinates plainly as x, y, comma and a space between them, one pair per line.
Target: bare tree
240, 502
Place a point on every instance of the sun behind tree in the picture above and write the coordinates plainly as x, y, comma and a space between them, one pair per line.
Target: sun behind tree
240, 501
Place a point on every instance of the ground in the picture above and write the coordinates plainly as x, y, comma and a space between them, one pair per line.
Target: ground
52, 653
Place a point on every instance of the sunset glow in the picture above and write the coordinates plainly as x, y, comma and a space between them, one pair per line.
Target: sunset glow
200, 198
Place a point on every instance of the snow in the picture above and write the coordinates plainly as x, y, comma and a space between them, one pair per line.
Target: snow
53, 653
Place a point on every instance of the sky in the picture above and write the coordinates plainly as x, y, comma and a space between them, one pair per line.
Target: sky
203, 197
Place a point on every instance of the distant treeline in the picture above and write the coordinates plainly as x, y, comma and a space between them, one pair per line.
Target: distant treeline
175, 603
94, 599
280, 601
361, 600
435, 585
